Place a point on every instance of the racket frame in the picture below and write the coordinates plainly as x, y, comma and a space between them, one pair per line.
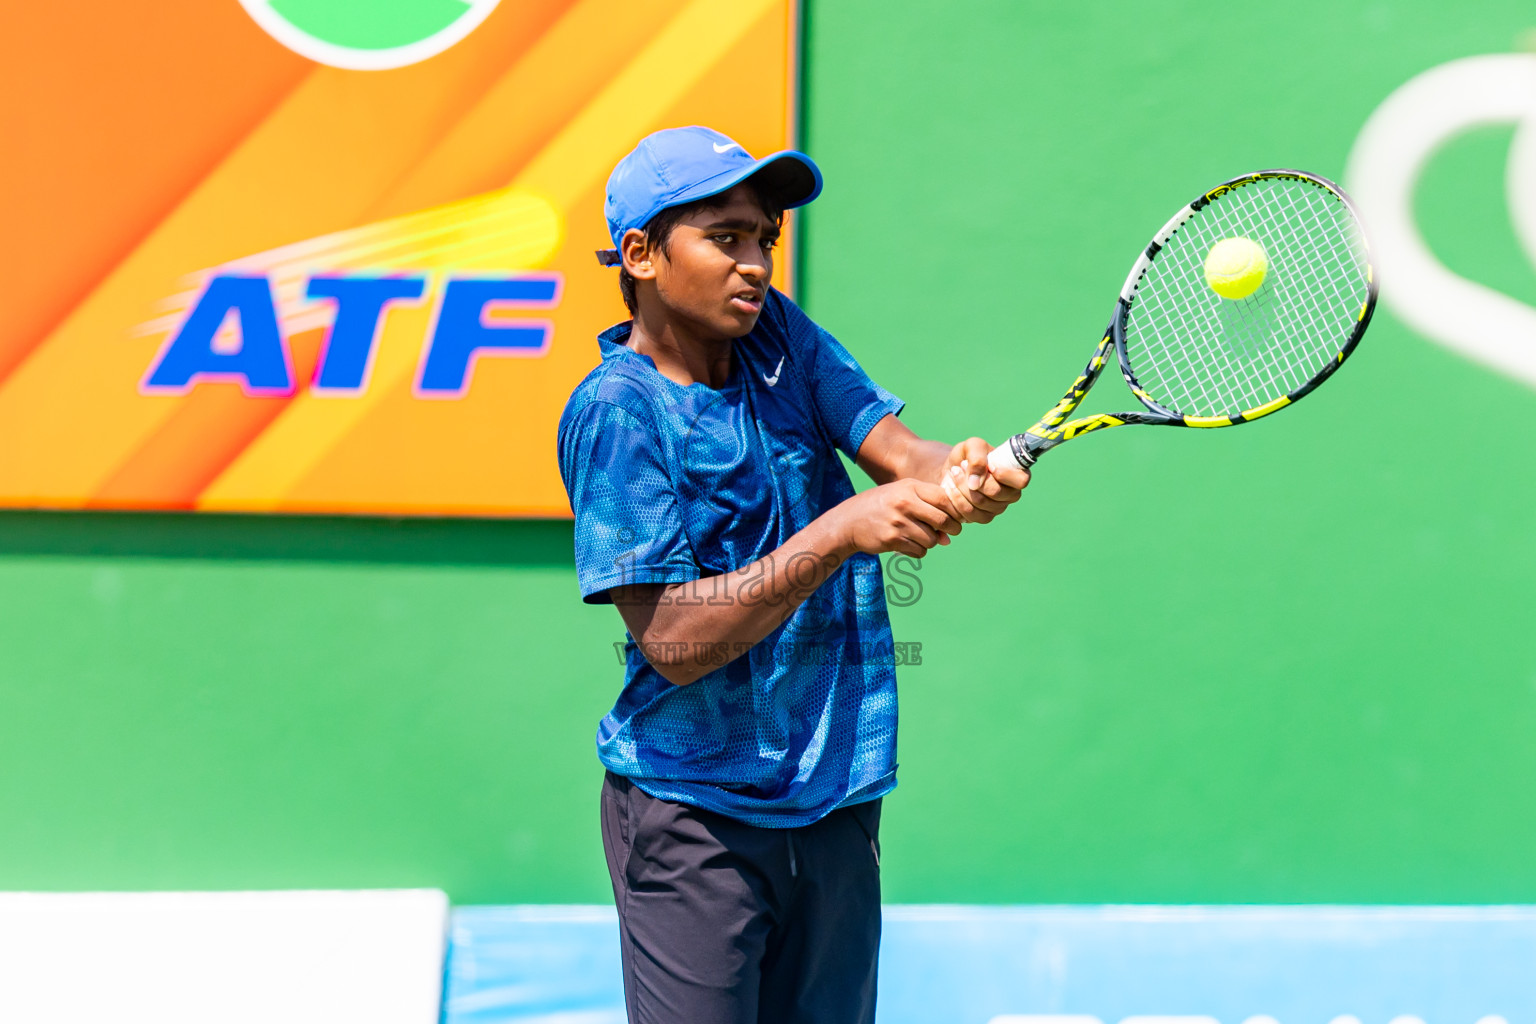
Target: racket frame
1055, 426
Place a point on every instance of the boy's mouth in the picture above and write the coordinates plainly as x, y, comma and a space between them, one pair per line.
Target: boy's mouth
748, 302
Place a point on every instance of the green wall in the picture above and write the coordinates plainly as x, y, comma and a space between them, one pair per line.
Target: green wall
1291, 662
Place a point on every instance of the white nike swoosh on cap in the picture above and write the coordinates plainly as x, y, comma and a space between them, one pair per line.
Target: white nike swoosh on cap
727, 147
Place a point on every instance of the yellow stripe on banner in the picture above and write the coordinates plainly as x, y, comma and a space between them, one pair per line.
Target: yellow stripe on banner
575, 161
1207, 421
535, 100
1267, 408
582, 155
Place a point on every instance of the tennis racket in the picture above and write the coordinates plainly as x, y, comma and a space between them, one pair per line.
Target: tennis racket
1195, 359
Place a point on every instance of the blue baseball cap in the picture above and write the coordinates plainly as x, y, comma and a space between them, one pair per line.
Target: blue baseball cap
678, 165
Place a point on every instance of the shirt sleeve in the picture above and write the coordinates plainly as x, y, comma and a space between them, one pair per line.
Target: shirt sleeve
847, 401
628, 525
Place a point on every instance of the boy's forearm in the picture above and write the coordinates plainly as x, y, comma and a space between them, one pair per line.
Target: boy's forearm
690, 629
891, 451
925, 459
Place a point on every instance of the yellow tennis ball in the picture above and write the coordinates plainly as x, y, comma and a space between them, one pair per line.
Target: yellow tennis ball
1235, 267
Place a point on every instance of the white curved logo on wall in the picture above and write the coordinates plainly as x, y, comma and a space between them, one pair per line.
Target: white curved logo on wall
368, 35
1392, 149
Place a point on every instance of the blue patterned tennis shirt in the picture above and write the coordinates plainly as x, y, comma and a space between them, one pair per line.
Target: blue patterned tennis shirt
671, 483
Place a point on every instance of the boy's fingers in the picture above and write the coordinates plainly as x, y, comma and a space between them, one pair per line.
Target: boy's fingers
962, 505
932, 507
996, 492
922, 533
996, 495
992, 497
974, 456
1012, 477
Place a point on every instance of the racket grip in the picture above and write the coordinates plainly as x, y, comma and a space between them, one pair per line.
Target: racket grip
1011, 454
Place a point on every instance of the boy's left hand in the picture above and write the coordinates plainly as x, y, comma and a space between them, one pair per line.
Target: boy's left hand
977, 494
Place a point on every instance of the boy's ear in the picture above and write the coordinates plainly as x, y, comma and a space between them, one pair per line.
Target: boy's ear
636, 253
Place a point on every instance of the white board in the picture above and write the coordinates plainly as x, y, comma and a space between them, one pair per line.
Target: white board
222, 958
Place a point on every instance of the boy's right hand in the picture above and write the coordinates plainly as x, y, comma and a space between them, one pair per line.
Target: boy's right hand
909, 516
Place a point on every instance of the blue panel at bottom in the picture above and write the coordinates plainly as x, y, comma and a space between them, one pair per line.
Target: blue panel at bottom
972, 965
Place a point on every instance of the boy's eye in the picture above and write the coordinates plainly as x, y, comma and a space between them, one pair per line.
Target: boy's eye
771, 242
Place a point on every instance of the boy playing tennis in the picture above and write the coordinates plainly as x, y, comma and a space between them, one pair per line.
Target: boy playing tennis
755, 733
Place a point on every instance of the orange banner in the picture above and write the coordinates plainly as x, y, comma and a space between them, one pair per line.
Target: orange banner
237, 279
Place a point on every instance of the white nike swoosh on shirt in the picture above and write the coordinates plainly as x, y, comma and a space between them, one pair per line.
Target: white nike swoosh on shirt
727, 147
771, 381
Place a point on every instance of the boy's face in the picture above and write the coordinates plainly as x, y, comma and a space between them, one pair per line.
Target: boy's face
715, 272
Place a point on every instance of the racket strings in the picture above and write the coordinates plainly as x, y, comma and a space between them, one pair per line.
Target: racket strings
1246, 371
1199, 354
1218, 379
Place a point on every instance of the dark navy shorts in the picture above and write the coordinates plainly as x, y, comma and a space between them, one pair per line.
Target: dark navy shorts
722, 922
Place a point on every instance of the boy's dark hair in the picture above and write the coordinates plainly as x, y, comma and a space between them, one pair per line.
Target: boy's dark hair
659, 228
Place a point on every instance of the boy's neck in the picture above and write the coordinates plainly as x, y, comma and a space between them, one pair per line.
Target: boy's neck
680, 353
